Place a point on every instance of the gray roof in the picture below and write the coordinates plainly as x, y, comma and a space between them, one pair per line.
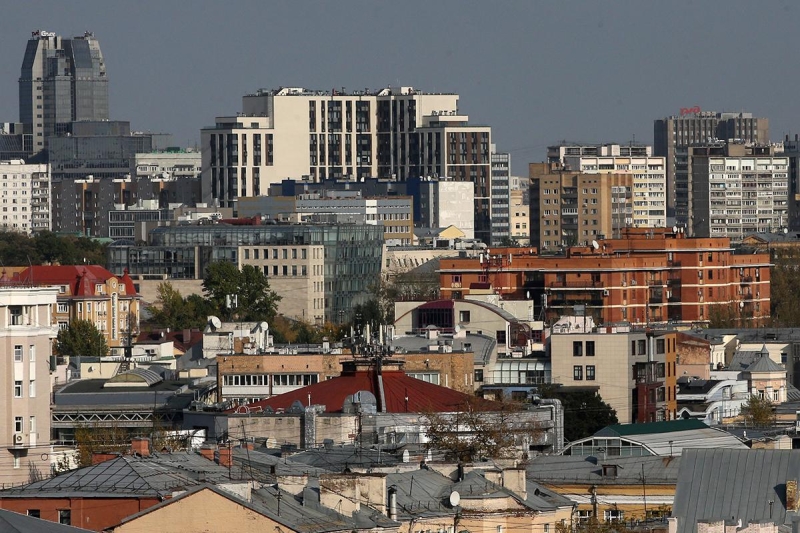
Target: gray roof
11, 522
555, 469
481, 345
748, 335
270, 465
742, 359
765, 364
339, 458
127, 476
741, 484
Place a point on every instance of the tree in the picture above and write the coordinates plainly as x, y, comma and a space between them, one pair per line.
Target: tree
175, 312
758, 412
585, 412
473, 432
81, 337
785, 289
255, 300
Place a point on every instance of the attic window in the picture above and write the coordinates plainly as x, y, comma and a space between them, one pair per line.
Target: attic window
609, 470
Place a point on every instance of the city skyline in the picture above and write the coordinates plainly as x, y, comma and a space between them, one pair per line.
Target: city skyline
534, 72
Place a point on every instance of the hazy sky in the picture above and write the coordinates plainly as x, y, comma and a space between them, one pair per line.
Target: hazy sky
537, 72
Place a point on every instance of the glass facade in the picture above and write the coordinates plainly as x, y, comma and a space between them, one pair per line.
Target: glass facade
352, 255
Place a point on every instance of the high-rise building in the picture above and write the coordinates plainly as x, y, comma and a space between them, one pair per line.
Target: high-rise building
25, 191
396, 133
501, 197
673, 135
737, 189
26, 338
569, 208
61, 81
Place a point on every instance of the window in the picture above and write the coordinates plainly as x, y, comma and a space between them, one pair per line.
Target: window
32, 353
18, 424
15, 314
18, 353
613, 515
479, 375
577, 373
660, 346
584, 515
32, 388
590, 373
642, 347
18, 389
63, 307
427, 377
501, 336
65, 517
577, 348
590, 348
463, 316
35, 513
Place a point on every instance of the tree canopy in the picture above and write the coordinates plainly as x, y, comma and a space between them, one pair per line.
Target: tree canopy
254, 300
585, 412
46, 247
81, 337
758, 412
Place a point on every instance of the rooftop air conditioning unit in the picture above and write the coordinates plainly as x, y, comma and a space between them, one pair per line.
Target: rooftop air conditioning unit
17, 438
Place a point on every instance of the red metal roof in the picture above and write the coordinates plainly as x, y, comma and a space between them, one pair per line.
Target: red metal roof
81, 279
403, 394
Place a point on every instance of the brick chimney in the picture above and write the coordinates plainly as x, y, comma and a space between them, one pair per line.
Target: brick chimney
224, 457
207, 452
101, 457
141, 446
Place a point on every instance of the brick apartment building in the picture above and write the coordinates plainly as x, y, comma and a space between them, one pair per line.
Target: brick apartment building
647, 276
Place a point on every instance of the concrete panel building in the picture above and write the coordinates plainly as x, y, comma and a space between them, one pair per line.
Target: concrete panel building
440, 203
673, 135
501, 197
26, 336
26, 192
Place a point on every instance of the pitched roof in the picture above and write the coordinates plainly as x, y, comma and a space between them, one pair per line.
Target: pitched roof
126, 476
555, 469
80, 278
667, 438
402, 394
621, 430
765, 364
11, 522
744, 484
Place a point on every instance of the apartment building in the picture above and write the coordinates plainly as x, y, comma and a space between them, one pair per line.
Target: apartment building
90, 292
175, 163
394, 214
568, 208
736, 190
441, 202
25, 191
519, 218
673, 135
560, 152
633, 371
647, 276
649, 189
26, 337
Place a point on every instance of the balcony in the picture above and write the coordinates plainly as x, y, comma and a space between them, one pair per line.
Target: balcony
574, 285
655, 283
746, 279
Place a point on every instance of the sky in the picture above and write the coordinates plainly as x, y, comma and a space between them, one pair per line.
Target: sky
537, 72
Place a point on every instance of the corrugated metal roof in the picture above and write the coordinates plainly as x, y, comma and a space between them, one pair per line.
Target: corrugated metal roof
734, 484
554, 469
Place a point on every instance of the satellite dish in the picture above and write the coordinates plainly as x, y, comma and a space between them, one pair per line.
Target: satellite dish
455, 498
674, 229
215, 322
595, 245
785, 231
457, 328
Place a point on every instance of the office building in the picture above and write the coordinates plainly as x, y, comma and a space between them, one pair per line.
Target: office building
647, 276
501, 197
61, 81
569, 207
393, 213
673, 135
320, 271
14, 143
169, 163
25, 191
26, 337
736, 190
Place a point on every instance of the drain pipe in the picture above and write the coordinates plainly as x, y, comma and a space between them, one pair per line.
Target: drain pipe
557, 416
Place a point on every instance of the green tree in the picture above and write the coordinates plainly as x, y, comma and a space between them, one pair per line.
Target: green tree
585, 412
758, 412
81, 337
785, 289
255, 300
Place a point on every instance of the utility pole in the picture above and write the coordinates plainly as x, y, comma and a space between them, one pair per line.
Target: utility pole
644, 492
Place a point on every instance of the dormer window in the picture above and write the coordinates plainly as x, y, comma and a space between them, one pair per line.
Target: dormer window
609, 470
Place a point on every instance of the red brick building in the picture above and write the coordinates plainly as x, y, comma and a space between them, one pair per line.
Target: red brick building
647, 276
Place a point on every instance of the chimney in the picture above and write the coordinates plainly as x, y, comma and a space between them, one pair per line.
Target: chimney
101, 457
393, 502
792, 497
224, 457
140, 446
187, 335
515, 481
207, 452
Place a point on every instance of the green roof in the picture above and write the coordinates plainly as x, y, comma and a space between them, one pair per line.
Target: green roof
621, 430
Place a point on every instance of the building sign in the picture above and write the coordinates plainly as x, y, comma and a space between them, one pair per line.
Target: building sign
43, 34
690, 110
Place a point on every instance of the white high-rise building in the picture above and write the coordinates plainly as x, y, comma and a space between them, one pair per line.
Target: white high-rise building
26, 334
25, 192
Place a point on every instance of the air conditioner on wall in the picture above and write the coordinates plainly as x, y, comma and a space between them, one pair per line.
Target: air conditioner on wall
18, 438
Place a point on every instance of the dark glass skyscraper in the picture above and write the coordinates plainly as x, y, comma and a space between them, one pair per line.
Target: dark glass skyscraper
61, 81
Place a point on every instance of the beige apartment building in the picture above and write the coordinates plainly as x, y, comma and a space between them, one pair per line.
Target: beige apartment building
519, 219
26, 193
26, 338
574, 208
